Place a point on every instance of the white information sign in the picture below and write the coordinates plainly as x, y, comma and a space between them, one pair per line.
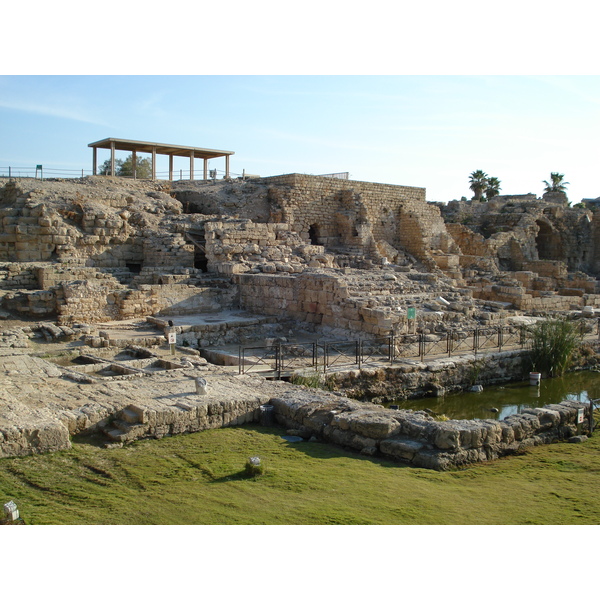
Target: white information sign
172, 338
580, 415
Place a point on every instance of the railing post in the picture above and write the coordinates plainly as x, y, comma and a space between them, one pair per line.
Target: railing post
241, 366
500, 338
392, 341
476, 340
422, 347
358, 352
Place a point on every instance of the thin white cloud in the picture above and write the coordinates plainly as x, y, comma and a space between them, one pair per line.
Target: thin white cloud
52, 110
316, 141
584, 87
42, 96
152, 105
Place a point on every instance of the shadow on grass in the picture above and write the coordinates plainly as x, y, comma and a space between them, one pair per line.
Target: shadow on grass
96, 440
326, 450
239, 476
321, 450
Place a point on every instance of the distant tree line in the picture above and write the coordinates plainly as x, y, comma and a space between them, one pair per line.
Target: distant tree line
484, 187
124, 168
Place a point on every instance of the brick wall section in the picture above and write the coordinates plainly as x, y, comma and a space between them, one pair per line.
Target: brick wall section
51, 275
546, 268
355, 213
313, 298
93, 302
30, 233
18, 276
243, 241
168, 251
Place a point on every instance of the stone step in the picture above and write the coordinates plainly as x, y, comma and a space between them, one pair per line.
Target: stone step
129, 416
114, 434
121, 431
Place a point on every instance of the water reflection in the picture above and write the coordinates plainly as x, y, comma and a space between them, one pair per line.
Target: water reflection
512, 398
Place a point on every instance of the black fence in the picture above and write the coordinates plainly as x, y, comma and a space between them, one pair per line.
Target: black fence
31, 172
281, 359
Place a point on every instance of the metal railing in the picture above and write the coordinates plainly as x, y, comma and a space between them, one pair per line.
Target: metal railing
277, 358
55, 173
45, 173
282, 359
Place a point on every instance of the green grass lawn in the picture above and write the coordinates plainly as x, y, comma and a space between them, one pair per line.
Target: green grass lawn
199, 479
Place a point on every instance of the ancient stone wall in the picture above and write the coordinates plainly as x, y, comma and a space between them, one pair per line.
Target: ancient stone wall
167, 251
268, 247
325, 299
335, 212
15, 275
309, 298
416, 437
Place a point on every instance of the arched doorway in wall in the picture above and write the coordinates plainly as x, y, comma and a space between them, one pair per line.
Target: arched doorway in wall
313, 234
548, 242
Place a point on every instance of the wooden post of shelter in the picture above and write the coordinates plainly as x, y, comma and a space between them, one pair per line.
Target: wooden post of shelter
112, 159
170, 150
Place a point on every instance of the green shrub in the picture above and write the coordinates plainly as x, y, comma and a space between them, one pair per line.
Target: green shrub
552, 344
313, 380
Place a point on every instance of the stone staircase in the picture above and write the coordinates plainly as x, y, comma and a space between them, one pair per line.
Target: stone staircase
126, 427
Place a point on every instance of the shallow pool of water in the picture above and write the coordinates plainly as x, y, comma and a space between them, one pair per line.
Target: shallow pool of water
512, 398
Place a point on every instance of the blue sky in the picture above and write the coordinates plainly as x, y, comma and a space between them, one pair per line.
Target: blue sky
426, 131
417, 94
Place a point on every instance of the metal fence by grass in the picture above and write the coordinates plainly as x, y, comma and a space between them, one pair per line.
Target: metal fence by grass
283, 358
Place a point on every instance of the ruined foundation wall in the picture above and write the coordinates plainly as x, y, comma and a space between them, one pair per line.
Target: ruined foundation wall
340, 210
268, 246
313, 298
417, 438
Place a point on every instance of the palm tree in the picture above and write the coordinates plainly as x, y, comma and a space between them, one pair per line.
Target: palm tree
556, 183
478, 181
493, 187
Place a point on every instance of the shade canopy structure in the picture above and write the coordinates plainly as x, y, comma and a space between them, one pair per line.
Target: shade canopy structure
171, 150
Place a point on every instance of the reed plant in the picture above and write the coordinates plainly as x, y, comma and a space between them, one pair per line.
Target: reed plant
552, 345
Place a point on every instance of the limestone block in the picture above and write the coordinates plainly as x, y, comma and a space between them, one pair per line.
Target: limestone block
370, 424
447, 435
403, 448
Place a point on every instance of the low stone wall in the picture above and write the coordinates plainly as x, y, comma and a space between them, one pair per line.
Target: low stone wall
34, 438
18, 276
316, 298
25, 430
186, 416
417, 438
415, 379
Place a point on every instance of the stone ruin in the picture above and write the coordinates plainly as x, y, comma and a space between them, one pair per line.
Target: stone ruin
336, 258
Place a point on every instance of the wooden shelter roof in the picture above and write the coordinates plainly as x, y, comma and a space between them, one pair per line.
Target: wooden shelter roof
168, 149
